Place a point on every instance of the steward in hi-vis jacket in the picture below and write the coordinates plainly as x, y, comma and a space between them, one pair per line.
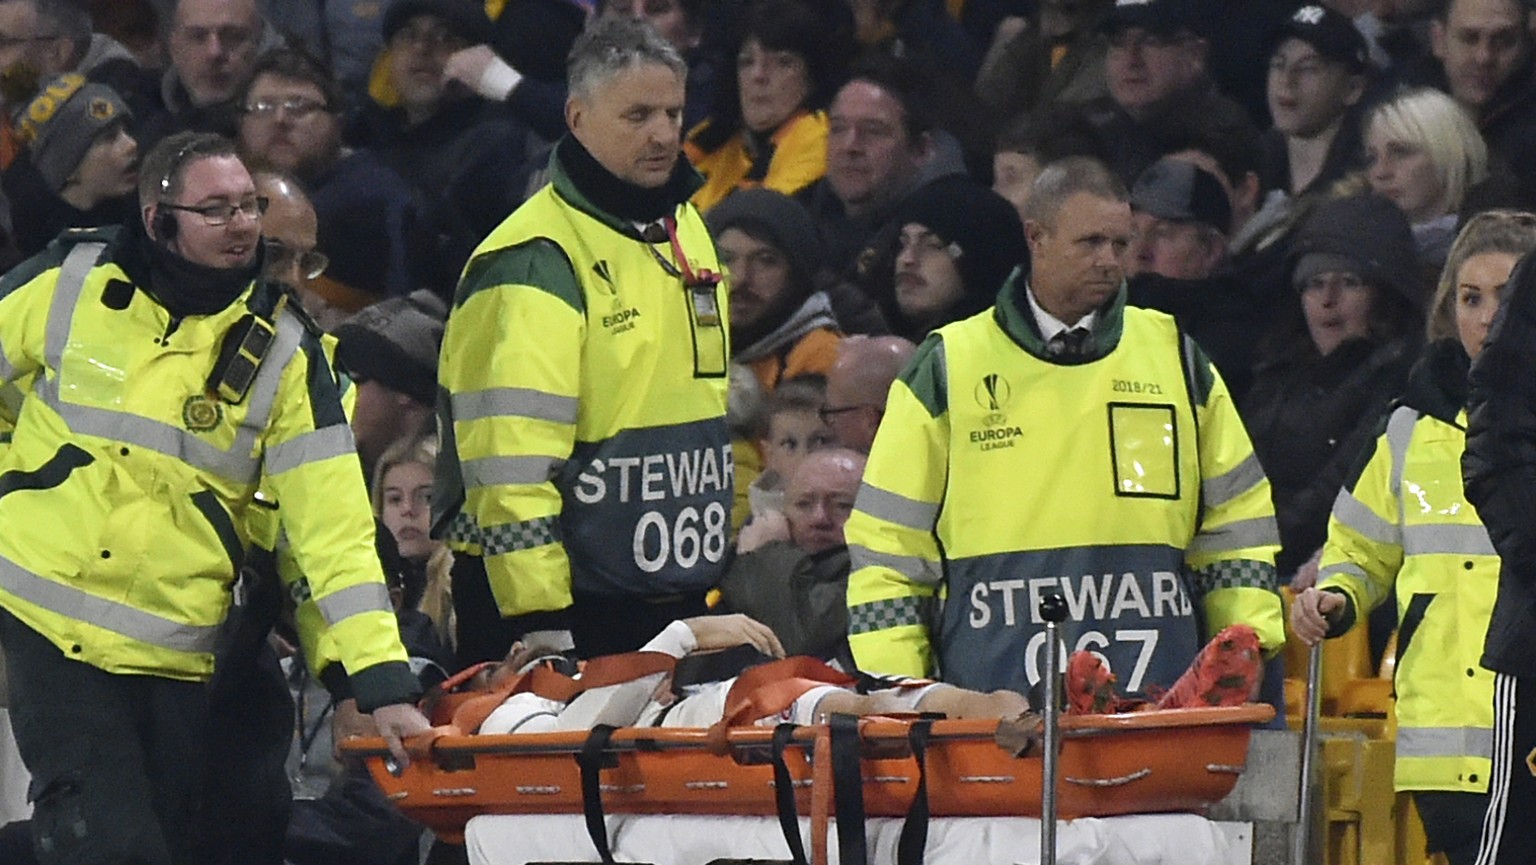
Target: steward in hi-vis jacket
1405, 521
165, 384
586, 473
1107, 465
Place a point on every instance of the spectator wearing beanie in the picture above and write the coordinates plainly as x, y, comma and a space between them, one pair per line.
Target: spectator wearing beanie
80, 165
1335, 361
390, 351
781, 325
957, 243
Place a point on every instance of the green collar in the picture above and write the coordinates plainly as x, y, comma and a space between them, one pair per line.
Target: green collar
1016, 319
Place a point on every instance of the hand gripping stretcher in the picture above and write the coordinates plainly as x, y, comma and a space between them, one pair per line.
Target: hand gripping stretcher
916, 768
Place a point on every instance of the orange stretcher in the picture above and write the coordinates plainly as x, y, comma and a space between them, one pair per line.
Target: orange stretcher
1145, 762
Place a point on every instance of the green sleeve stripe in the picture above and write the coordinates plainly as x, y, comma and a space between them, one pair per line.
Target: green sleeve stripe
539, 263
889, 613
927, 378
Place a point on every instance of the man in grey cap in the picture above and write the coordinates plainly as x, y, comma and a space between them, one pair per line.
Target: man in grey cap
1177, 263
1180, 214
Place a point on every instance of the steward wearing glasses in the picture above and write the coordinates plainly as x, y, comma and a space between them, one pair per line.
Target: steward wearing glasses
586, 477
164, 383
1156, 71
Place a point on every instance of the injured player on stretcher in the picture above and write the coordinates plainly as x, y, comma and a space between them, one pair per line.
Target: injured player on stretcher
1224, 673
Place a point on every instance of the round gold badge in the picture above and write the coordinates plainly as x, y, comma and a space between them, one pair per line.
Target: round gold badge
200, 414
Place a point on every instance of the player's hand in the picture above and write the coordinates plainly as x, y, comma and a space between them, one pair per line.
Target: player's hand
398, 721
728, 632
764, 528
479, 68
1312, 612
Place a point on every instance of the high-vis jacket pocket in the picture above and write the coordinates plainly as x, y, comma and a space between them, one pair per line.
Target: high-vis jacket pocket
1144, 450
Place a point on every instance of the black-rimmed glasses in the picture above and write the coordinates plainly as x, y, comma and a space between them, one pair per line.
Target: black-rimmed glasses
223, 214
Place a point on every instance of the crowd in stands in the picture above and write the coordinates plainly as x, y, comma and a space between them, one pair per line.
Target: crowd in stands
1298, 174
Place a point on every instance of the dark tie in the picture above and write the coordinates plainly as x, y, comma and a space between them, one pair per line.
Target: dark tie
654, 233
1069, 343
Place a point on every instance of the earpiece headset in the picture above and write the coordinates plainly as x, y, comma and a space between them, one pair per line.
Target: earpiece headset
165, 223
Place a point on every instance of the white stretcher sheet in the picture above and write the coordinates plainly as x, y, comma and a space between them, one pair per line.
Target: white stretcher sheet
1142, 839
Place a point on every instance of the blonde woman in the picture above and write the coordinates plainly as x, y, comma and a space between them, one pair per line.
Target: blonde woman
402, 500
1403, 522
1423, 152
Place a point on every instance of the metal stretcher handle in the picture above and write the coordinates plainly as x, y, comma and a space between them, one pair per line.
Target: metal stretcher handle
1053, 609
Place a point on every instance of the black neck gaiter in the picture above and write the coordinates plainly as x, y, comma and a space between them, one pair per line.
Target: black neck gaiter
620, 198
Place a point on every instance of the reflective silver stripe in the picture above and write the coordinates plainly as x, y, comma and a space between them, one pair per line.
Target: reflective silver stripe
1373, 593
513, 402
311, 447
1357, 515
1451, 539
1399, 434
158, 436
268, 379
72, 603
353, 600
486, 471
7, 369
66, 296
914, 568
1257, 532
896, 508
1224, 488
1445, 742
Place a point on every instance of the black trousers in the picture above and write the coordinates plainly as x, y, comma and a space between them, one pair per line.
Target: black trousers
1509, 832
117, 761
600, 624
1453, 822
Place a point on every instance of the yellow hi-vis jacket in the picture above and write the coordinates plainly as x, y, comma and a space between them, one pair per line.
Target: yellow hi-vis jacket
125, 490
1122, 480
584, 415
1405, 521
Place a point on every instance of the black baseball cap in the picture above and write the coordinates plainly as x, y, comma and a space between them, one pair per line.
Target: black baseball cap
1328, 31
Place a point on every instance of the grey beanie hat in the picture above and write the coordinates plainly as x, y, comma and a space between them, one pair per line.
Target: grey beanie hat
396, 342
774, 218
62, 122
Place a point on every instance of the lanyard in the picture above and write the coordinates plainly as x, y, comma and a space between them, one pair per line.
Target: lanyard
700, 284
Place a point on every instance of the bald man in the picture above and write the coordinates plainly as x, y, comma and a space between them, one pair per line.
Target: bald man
290, 228
857, 386
792, 575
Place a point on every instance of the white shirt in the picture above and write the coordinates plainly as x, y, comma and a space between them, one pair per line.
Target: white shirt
1049, 324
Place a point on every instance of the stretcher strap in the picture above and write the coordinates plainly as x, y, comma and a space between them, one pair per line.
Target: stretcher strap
848, 790
784, 794
914, 832
768, 689
591, 762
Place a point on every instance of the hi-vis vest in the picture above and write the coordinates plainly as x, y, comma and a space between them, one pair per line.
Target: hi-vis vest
124, 492
1125, 484
1406, 521
585, 407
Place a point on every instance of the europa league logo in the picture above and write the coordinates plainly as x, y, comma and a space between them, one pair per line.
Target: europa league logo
992, 394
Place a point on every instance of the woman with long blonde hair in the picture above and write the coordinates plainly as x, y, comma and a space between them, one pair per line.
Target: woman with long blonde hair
402, 500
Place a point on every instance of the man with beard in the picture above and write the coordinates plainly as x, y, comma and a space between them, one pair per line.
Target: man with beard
170, 383
586, 472
781, 325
